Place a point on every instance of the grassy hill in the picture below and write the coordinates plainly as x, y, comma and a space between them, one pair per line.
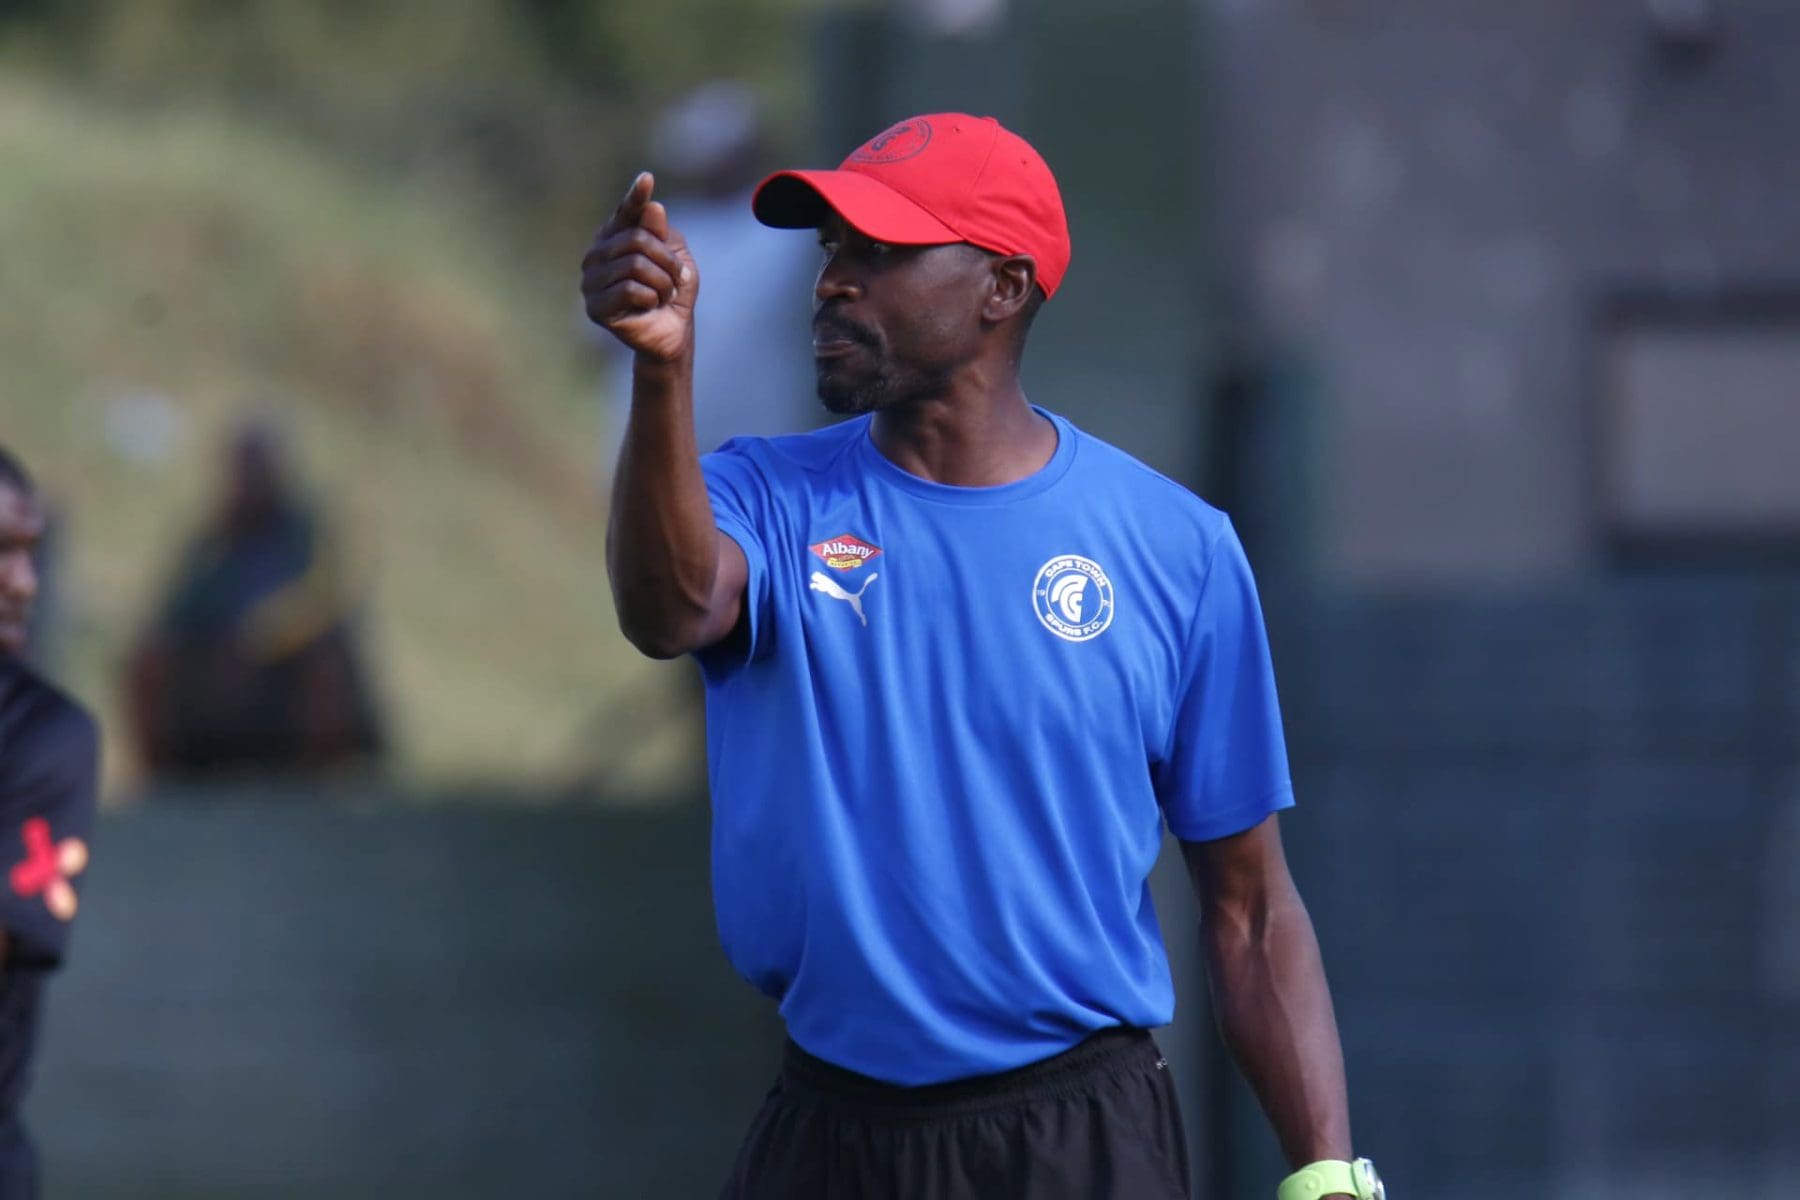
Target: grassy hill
162, 274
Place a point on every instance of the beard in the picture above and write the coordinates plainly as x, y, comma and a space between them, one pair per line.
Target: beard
858, 382
851, 391
850, 396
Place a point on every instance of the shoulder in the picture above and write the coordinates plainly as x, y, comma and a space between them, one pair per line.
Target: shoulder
792, 457
1151, 499
42, 730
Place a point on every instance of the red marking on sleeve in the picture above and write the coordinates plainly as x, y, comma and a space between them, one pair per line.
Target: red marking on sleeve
47, 867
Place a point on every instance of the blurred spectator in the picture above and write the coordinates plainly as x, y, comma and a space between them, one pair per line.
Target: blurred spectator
251, 663
753, 371
49, 750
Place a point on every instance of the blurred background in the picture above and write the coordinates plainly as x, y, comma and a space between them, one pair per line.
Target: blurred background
1482, 318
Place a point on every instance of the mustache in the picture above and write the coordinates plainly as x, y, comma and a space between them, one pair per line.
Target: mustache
826, 329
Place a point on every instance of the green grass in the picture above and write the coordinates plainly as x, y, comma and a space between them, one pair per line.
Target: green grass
440, 396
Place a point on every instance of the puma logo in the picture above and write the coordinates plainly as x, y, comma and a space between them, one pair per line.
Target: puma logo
822, 582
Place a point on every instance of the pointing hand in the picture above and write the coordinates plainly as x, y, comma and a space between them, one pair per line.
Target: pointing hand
638, 279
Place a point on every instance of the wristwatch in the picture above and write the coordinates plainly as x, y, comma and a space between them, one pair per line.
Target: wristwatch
1332, 1177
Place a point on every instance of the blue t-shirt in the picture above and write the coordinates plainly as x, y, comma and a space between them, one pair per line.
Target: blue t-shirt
943, 753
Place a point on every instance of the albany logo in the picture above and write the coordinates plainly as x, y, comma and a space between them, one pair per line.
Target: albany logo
844, 552
1073, 598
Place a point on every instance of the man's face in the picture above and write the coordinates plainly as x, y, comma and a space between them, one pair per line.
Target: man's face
892, 323
21, 528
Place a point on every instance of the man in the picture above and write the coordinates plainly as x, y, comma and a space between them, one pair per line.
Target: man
964, 662
48, 766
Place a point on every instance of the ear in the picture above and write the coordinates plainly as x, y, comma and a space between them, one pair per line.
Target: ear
1014, 279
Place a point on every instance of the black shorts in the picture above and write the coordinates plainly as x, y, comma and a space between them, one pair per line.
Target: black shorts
1095, 1122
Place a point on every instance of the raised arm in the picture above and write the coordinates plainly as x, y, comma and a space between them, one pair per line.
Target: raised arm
1269, 991
678, 583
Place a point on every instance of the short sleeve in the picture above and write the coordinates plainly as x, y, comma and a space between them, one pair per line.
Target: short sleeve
742, 512
48, 780
1225, 767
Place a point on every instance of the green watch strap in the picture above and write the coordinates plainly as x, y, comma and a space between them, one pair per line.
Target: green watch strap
1325, 1178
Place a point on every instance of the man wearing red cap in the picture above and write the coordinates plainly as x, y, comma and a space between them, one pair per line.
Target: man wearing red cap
965, 664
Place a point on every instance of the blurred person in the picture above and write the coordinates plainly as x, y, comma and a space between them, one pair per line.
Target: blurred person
964, 664
251, 663
49, 764
751, 371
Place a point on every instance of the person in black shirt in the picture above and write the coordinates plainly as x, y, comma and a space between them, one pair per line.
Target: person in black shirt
49, 753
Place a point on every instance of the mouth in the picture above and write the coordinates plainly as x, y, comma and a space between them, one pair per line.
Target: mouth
834, 347
834, 336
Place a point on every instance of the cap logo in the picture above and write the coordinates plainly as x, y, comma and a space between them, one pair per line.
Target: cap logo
895, 143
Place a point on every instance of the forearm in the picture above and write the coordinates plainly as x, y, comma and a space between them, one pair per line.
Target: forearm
662, 546
1274, 1013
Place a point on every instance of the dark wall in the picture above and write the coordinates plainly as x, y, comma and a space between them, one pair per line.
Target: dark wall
271, 997
373, 999
1549, 844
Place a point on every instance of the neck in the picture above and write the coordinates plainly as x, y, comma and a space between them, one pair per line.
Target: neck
979, 432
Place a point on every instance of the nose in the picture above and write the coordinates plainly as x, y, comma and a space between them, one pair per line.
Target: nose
18, 576
836, 282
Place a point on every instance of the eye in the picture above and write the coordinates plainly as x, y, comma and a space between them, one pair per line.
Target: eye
827, 246
879, 248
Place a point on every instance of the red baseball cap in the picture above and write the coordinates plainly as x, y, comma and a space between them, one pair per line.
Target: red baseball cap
944, 177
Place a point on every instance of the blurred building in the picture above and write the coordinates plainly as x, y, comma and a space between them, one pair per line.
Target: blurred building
1543, 261
1534, 267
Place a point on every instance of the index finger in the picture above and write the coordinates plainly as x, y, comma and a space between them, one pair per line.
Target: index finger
631, 208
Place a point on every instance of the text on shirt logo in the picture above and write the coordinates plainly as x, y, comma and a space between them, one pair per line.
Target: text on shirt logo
845, 552
1073, 598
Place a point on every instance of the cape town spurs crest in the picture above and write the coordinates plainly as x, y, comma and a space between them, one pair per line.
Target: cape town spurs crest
1073, 598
